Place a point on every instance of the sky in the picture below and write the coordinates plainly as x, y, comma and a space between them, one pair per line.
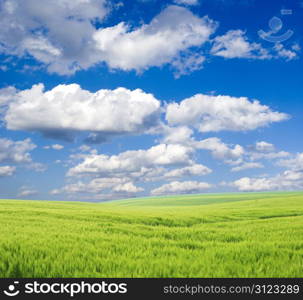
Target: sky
103, 100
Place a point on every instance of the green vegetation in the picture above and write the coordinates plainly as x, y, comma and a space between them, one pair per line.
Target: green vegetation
215, 235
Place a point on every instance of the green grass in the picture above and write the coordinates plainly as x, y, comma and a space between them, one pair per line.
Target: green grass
212, 235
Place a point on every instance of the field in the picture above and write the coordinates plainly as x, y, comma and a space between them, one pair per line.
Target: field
211, 235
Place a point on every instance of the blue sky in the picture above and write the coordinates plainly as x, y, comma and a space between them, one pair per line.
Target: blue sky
104, 99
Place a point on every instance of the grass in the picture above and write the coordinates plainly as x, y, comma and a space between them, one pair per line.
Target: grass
215, 235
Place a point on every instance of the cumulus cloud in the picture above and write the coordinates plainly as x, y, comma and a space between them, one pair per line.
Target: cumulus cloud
85, 148
6, 94
220, 150
216, 113
16, 151
234, 44
67, 36
264, 147
177, 135
162, 41
246, 166
287, 180
67, 109
177, 187
187, 63
54, 147
287, 54
241, 158
265, 150
63, 36
260, 151
194, 170
59, 34
7, 171
291, 179
100, 185
134, 163
295, 163
118, 175
27, 192
128, 188
254, 184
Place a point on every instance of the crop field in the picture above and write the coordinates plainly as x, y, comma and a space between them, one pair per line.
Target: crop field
211, 235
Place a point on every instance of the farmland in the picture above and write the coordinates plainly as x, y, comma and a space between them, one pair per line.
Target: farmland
210, 235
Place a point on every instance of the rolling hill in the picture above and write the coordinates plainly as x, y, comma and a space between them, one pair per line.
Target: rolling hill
210, 235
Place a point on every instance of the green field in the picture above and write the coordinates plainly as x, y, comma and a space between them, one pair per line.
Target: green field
211, 235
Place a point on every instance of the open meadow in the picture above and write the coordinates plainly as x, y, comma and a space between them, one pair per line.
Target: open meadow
211, 235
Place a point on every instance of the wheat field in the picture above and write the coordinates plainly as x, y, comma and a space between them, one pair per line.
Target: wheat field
211, 235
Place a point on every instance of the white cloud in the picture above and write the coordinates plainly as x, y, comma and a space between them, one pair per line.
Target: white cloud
289, 179
187, 63
255, 184
38, 167
296, 47
62, 35
150, 174
220, 150
269, 155
246, 166
133, 163
96, 185
294, 163
58, 34
6, 94
234, 44
177, 187
128, 188
264, 147
67, 109
3, 68
194, 170
16, 151
110, 187
54, 147
288, 54
294, 176
85, 148
117, 174
25, 192
187, 2
241, 158
172, 32
7, 171
259, 151
264, 150
56, 191
216, 113
177, 135
57, 147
